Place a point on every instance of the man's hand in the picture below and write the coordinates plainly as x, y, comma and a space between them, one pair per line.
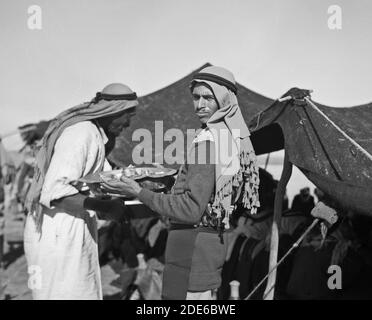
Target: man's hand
125, 186
106, 209
298, 95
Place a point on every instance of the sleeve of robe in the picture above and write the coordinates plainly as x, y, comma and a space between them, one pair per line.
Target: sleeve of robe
189, 206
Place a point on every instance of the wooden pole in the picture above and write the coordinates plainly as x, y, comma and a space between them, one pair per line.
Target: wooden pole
267, 161
274, 241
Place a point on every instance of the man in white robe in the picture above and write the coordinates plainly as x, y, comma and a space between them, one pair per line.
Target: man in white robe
61, 243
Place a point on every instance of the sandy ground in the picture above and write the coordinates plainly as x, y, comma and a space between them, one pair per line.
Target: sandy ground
14, 277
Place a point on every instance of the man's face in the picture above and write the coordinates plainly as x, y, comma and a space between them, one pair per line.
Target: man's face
205, 104
117, 123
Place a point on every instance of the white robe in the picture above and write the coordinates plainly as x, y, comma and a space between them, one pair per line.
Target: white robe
63, 259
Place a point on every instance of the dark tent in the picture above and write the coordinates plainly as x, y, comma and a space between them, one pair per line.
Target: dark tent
33, 132
173, 105
331, 146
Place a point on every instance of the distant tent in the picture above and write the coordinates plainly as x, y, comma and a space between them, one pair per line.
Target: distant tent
33, 131
331, 146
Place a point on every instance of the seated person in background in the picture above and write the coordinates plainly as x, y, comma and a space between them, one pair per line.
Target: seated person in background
303, 202
320, 249
253, 258
247, 256
360, 286
247, 259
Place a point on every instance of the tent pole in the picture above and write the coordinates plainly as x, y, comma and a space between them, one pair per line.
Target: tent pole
267, 160
274, 240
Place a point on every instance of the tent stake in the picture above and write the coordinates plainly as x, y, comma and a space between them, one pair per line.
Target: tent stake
274, 240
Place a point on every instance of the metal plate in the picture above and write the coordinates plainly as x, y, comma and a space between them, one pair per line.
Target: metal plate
130, 172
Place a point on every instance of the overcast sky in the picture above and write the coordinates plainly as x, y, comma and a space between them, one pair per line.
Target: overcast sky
269, 45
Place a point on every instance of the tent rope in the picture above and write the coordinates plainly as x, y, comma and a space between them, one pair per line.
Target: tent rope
323, 147
258, 120
358, 146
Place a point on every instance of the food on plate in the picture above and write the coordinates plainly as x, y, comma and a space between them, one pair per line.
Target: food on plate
152, 178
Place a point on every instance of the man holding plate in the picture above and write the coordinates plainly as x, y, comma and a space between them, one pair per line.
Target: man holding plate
60, 236
206, 190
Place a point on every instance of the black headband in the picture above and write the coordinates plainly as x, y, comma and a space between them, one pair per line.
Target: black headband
105, 96
217, 79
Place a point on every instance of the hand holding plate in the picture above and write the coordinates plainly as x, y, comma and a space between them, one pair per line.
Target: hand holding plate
124, 186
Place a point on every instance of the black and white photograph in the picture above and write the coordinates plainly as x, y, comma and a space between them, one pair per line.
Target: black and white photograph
197, 151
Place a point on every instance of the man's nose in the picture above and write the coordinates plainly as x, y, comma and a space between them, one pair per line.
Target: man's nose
201, 103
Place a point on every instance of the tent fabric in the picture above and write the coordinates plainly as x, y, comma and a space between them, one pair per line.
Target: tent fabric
324, 146
174, 106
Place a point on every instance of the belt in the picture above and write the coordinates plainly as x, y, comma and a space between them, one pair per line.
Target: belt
185, 226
